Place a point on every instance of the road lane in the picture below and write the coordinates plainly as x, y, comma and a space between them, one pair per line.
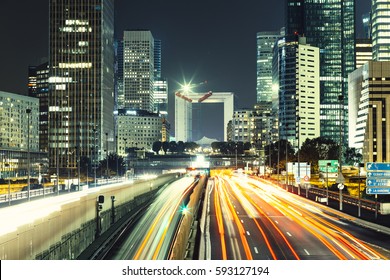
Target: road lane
256, 220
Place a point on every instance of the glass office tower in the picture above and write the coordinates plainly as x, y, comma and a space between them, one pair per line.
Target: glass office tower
81, 82
330, 26
380, 30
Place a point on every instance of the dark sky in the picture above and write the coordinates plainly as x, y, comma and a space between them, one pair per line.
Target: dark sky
213, 40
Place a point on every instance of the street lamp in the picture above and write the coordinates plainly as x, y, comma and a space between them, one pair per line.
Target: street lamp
327, 186
236, 156
299, 164
359, 200
286, 129
107, 155
9, 183
94, 154
269, 154
28, 111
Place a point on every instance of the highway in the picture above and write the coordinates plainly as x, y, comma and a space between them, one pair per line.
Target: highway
152, 237
250, 218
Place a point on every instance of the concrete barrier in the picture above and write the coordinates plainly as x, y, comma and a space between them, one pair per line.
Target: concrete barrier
65, 232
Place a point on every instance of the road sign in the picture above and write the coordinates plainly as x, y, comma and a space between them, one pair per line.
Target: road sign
378, 166
306, 178
340, 179
378, 190
377, 182
333, 166
380, 174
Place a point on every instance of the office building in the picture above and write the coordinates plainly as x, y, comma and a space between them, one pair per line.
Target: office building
330, 26
363, 51
19, 122
369, 114
138, 70
297, 74
380, 22
265, 46
81, 82
38, 86
137, 129
242, 126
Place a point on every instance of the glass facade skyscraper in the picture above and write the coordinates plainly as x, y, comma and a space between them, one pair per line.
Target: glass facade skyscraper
81, 81
380, 30
265, 45
330, 26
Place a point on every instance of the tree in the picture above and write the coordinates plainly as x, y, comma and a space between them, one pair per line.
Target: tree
157, 147
313, 150
247, 146
180, 147
277, 151
115, 163
352, 156
173, 147
165, 147
191, 146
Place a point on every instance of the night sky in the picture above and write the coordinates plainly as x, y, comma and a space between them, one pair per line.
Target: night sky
213, 40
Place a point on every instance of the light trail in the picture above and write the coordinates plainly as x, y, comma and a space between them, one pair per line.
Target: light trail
319, 223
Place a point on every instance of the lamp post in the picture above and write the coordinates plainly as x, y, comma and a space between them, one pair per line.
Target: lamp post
28, 111
7, 165
327, 186
359, 200
269, 154
40, 178
117, 155
341, 186
107, 155
299, 164
127, 157
236, 156
95, 155
286, 157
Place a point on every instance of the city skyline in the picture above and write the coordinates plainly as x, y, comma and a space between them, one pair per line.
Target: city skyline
176, 66
212, 41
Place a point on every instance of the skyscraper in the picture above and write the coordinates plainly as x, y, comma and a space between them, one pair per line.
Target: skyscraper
380, 30
138, 70
330, 26
81, 81
296, 72
38, 86
265, 45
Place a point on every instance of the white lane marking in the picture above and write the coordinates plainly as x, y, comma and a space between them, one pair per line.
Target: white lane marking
242, 221
277, 222
248, 233
306, 252
256, 251
238, 213
289, 234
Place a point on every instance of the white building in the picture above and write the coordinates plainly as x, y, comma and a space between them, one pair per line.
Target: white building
183, 111
242, 126
138, 129
19, 126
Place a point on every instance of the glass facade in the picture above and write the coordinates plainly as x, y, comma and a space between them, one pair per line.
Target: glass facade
81, 81
330, 26
265, 45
